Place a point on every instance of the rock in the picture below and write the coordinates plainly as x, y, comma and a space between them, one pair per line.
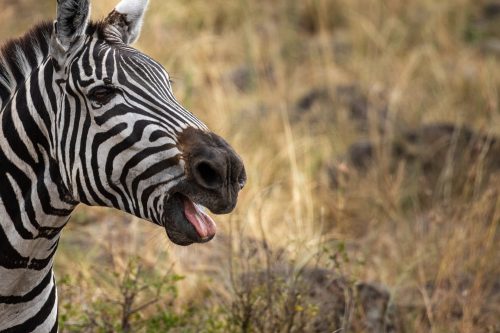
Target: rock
491, 46
306, 102
337, 305
356, 102
361, 154
484, 29
434, 153
448, 298
315, 108
321, 104
244, 78
269, 299
491, 10
374, 301
441, 145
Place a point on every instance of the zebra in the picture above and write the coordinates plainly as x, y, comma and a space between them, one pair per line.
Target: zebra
86, 118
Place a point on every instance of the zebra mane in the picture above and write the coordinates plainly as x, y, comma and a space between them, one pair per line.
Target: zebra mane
20, 56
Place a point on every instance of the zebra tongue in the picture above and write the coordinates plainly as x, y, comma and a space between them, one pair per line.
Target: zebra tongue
204, 225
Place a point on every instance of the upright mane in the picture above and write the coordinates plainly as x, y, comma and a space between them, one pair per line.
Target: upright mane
20, 56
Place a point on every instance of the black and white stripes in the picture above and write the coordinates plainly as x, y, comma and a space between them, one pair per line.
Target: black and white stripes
86, 118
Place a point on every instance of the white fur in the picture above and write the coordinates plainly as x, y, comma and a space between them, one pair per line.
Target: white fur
134, 11
134, 8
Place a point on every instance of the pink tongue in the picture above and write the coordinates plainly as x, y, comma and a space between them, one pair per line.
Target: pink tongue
204, 225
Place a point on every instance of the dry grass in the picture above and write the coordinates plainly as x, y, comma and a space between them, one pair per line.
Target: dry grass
424, 61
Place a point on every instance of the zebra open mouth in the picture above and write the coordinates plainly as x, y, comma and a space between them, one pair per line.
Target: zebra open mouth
194, 213
186, 221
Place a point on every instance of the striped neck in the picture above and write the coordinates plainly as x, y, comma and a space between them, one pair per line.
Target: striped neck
34, 205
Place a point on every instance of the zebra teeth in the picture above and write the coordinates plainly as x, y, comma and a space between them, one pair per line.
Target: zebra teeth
200, 207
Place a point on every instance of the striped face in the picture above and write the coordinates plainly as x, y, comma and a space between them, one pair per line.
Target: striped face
123, 140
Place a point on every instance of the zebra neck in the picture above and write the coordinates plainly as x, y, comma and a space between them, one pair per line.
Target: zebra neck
34, 204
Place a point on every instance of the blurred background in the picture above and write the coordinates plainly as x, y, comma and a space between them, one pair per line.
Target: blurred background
370, 131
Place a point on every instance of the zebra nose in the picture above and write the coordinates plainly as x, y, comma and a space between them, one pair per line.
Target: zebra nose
208, 172
213, 165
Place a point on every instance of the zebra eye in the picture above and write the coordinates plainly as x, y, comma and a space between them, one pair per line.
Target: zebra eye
102, 94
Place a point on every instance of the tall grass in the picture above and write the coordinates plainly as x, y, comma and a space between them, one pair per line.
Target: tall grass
242, 67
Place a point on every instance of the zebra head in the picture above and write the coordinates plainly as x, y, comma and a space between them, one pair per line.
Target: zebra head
121, 138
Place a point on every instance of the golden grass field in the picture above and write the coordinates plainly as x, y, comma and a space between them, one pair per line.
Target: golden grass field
292, 85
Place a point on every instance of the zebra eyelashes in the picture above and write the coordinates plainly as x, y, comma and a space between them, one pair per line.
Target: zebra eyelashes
101, 95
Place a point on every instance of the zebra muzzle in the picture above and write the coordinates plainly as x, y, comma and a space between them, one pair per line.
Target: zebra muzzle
214, 174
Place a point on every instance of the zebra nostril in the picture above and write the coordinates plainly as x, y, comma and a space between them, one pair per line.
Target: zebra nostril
207, 175
212, 164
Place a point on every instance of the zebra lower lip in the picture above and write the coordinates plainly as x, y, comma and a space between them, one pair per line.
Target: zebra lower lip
186, 221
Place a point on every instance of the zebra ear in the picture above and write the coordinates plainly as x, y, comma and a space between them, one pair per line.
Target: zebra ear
72, 20
124, 23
